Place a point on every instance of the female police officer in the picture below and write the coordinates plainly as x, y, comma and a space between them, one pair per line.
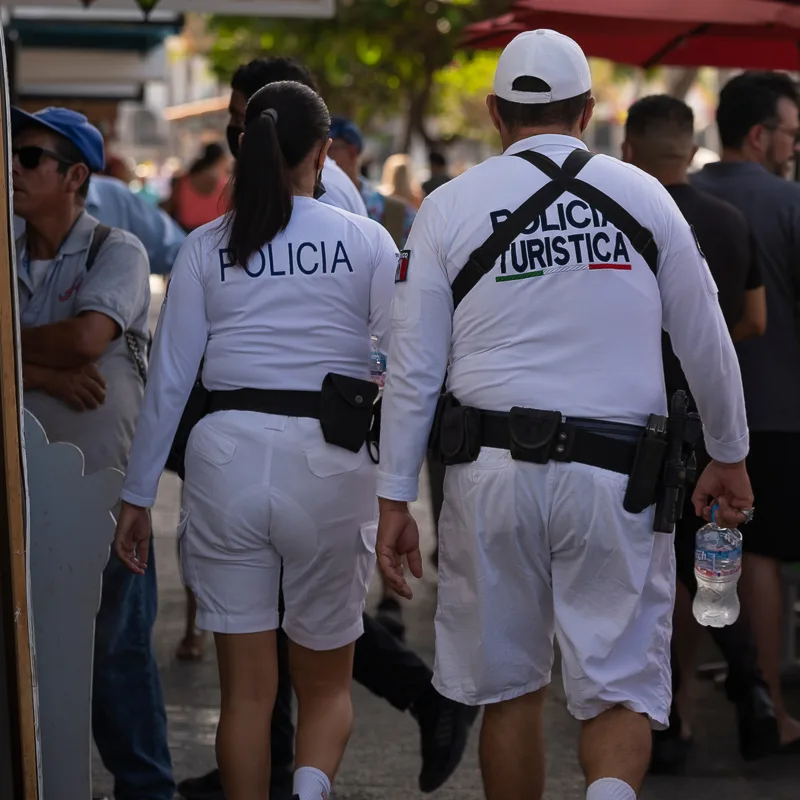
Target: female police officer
278, 299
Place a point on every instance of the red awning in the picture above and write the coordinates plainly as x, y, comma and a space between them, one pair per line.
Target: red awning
751, 34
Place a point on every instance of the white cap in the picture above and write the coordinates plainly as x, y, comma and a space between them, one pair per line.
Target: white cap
551, 57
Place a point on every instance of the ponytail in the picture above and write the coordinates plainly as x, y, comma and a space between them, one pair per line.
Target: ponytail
283, 123
262, 195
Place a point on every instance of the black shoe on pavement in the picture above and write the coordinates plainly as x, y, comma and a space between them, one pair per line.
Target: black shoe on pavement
206, 787
390, 615
444, 728
758, 726
670, 753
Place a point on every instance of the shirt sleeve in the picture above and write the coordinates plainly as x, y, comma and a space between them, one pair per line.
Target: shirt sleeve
693, 319
421, 329
118, 284
178, 348
382, 288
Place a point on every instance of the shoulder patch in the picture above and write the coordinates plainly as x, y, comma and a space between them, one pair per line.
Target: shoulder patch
403, 259
697, 243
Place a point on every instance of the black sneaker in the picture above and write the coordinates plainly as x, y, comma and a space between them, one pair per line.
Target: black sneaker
206, 787
390, 615
758, 726
444, 728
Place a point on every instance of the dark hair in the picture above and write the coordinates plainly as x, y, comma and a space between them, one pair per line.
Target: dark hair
260, 72
67, 150
533, 115
284, 122
751, 99
659, 112
212, 153
437, 159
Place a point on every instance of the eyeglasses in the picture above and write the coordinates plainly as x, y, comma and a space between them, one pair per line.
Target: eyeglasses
30, 157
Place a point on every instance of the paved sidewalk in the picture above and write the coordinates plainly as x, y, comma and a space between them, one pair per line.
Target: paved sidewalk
382, 761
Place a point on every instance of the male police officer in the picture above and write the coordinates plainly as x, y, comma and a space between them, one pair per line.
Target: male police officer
556, 319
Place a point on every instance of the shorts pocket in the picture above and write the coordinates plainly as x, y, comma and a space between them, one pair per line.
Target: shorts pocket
326, 460
364, 561
211, 444
184, 557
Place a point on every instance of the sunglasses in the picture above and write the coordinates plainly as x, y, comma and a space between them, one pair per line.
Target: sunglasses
30, 157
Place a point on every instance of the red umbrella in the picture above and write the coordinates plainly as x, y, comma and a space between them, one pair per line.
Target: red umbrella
718, 33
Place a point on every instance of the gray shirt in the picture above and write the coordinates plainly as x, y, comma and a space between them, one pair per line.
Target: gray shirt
118, 286
770, 363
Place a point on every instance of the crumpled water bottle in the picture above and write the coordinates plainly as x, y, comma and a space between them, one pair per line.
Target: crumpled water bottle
717, 567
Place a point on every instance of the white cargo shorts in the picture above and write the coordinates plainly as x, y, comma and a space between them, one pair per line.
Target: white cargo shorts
263, 489
527, 551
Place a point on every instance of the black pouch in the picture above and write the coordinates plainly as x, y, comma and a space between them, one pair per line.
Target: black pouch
531, 433
196, 408
648, 466
459, 432
346, 410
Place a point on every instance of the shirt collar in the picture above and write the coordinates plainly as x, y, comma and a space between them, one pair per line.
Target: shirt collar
545, 140
733, 168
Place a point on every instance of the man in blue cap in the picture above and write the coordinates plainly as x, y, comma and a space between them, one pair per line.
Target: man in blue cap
84, 298
346, 148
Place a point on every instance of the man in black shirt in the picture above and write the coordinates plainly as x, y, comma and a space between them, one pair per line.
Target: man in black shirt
660, 140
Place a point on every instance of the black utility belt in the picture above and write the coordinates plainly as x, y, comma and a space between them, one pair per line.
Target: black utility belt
345, 407
528, 434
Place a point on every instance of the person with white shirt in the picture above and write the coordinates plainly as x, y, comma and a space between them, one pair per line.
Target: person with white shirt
278, 300
549, 331
335, 188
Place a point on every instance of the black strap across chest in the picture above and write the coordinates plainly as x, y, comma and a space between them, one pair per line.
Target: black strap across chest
562, 180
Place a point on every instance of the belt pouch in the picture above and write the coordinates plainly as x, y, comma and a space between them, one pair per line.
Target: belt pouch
196, 408
346, 409
459, 433
531, 433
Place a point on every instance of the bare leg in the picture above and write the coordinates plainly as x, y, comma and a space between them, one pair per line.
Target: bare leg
248, 676
760, 587
321, 682
512, 749
192, 646
616, 745
684, 642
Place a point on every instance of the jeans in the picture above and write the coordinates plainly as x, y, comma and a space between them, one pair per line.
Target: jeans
129, 720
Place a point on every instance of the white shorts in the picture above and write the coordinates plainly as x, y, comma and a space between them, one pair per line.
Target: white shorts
261, 490
529, 550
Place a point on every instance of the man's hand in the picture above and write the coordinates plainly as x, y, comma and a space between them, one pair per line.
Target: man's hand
82, 389
728, 485
132, 537
398, 536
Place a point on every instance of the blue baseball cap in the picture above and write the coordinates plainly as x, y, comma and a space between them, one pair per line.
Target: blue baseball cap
343, 128
69, 124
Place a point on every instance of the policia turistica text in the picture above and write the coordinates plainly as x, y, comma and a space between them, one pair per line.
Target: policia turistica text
550, 332
278, 298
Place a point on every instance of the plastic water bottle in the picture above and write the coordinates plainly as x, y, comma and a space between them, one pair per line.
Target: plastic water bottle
717, 567
377, 364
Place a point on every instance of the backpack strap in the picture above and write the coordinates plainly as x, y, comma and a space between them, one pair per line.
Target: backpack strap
99, 236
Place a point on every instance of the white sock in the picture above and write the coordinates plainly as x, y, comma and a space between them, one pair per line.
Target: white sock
608, 789
311, 784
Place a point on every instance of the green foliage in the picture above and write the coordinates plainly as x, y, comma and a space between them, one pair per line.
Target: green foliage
378, 58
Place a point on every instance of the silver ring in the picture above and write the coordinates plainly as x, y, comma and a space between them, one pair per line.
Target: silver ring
748, 514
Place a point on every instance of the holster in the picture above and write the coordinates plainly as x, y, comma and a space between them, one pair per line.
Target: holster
648, 466
456, 432
196, 408
346, 410
532, 433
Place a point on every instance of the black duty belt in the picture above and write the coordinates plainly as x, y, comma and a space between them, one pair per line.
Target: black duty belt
614, 450
283, 402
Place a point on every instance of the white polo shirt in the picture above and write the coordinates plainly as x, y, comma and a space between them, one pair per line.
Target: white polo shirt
305, 306
340, 191
569, 319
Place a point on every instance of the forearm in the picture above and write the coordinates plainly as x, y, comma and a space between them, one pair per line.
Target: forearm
61, 345
35, 377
